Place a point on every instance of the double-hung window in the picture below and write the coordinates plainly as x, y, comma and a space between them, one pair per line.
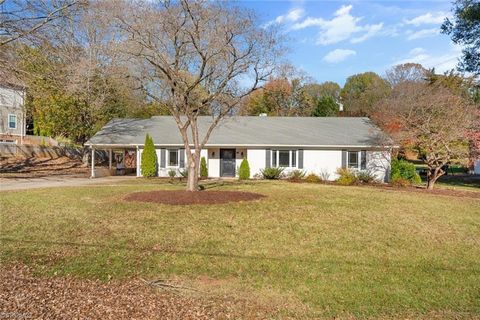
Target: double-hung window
353, 159
357, 159
173, 157
12, 121
284, 158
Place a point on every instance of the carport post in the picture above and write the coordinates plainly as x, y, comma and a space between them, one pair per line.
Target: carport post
93, 163
110, 159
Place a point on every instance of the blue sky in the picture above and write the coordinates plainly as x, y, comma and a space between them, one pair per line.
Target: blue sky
331, 40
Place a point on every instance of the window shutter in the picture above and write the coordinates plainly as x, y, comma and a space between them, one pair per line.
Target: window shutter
344, 158
182, 158
300, 159
363, 159
267, 158
162, 158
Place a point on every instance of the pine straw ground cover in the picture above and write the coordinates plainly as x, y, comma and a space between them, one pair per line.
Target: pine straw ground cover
305, 250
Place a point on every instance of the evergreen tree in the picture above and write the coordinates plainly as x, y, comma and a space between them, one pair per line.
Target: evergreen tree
325, 106
149, 158
203, 168
244, 172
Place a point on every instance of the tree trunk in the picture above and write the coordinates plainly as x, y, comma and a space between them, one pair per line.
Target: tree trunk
193, 171
192, 180
432, 177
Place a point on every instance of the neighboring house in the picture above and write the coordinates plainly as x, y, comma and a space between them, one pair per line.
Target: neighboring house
314, 145
476, 167
12, 113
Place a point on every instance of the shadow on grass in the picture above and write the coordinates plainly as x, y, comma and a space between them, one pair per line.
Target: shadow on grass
234, 256
471, 181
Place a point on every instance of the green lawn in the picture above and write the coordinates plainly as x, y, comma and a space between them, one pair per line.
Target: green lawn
330, 250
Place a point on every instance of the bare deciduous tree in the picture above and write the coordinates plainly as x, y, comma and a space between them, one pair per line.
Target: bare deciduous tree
433, 119
24, 18
407, 72
198, 57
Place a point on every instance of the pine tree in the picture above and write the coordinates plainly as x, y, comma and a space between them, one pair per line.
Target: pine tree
244, 172
149, 158
203, 168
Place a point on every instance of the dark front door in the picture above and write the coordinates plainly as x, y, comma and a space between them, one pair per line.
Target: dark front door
227, 162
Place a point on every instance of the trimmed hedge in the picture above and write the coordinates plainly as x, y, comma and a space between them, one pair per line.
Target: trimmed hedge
149, 158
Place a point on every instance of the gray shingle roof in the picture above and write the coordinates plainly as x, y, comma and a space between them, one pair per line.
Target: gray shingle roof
247, 131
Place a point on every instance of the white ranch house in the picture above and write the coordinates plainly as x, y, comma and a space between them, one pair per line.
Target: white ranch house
314, 145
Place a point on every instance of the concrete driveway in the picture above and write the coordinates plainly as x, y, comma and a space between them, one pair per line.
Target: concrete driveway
55, 181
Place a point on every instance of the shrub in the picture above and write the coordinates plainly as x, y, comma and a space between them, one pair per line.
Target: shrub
313, 178
149, 158
324, 175
183, 173
244, 172
203, 168
172, 173
402, 169
365, 176
272, 173
296, 175
400, 182
347, 177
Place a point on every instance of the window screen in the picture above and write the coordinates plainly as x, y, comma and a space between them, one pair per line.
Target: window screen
173, 158
353, 159
284, 158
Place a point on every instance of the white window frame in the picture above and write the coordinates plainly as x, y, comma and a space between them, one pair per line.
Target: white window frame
168, 158
276, 153
16, 120
359, 160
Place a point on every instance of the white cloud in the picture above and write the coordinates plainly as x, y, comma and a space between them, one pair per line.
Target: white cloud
428, 18
441, 62
372, 30
341, 27
424, 33
291, 16
338, 55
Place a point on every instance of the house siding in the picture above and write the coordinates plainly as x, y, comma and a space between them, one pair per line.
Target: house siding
314, 161
11, 102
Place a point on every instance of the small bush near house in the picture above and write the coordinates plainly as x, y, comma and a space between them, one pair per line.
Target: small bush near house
400, 182
203, 168
365, 176
402, 169
347, 177
296, 175
244, 172
324, 175
183, 173
313, 178
272, 173
149, 158
172, 173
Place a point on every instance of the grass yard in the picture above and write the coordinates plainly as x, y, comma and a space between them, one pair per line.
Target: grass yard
320, 250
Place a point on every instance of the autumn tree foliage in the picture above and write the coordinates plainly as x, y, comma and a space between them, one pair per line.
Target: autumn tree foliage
362, 91
433, 118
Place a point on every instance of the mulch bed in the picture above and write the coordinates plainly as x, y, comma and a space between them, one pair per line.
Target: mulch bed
180, 197
23, 296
